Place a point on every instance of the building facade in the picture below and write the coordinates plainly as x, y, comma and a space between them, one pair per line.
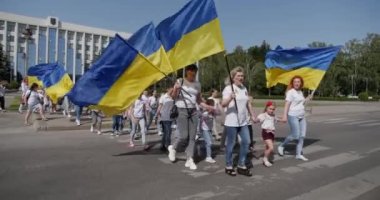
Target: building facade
28, 41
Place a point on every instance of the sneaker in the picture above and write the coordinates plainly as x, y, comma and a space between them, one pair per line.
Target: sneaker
280, 150
301, 157
92, 129
171, 153
131, 144
64, 112
190, 163
210, 160
266, 163
99, 132
68, 115
160, 133
77, 122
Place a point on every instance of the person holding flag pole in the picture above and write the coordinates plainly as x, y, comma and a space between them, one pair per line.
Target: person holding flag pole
237, 115
299, 68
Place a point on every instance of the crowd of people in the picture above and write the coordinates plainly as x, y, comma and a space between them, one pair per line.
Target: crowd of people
194, 118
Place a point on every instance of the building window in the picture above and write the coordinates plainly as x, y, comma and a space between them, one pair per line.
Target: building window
1, 25
11, 26
1, 37
22, 49
70, 46
79, 47
11, 48
11, 38
87, 47
79, 56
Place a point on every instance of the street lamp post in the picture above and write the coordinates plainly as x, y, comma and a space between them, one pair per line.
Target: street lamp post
27, 36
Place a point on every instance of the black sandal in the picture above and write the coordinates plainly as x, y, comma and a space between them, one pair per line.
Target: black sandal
230, 172
244, 171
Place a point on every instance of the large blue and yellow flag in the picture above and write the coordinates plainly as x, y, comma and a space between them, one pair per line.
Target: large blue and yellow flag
309, 63
146, 42
35, 73
191, 34
57, 83
116, 79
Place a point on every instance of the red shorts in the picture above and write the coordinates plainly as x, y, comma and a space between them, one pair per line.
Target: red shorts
267, 135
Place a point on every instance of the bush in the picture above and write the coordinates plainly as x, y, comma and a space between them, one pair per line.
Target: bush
13, 85
363, 96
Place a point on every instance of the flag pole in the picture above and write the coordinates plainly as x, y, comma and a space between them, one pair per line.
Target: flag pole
232, 85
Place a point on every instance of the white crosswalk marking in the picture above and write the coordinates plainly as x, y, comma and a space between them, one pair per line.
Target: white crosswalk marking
347, 188
360, 122
371, 124
331, 161
339, 121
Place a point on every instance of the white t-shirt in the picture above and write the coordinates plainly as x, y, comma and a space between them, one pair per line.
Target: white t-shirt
138, 109
297, 100
242, 99
207, 120
153, 102
167, 103
267, 121
34, 97
190, 88
24, 87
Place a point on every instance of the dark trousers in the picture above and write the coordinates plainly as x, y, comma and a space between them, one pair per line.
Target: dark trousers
2, 101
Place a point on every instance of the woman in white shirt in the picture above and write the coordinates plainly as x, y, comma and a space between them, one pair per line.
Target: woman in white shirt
187, 94
24, 89
34, 102
294, 114
236, 121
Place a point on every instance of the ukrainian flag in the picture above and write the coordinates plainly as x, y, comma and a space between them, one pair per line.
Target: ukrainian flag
57, 83
309, 63
146, 42
36, 72
191, 34
116, 79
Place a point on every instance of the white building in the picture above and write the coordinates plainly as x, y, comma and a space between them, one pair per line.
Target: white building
29, 41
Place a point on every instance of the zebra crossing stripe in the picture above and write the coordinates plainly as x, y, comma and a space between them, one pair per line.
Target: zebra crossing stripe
331, 161
360, 122
339, 121
347, 188
371, 124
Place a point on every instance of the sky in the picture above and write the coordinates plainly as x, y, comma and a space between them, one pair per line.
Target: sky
289, 23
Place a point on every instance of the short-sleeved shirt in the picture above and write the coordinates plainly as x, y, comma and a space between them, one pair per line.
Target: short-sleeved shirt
231, 114
297, 100
207, 121
34, 97
153, 103
167, 103
267, 121
189, 95
138, 109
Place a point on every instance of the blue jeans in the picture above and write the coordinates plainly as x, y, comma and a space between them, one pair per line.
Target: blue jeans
117, 123
78, 112
231, 137
150, 117
208, 140
297, 131
167, 133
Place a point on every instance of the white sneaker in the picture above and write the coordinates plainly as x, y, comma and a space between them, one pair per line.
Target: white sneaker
160, 133
171, 153
92, 129
68, 115
210, 160
64, 112
280, 150
99, 132
301, 157
190, 163
78, 122
266, 162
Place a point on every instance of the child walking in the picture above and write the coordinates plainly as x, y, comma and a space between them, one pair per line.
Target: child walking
267, 120
138, 118
96, 121
207, 123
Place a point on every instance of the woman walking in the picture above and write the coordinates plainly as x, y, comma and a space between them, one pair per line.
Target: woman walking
237, 115
294, 114
187, 93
